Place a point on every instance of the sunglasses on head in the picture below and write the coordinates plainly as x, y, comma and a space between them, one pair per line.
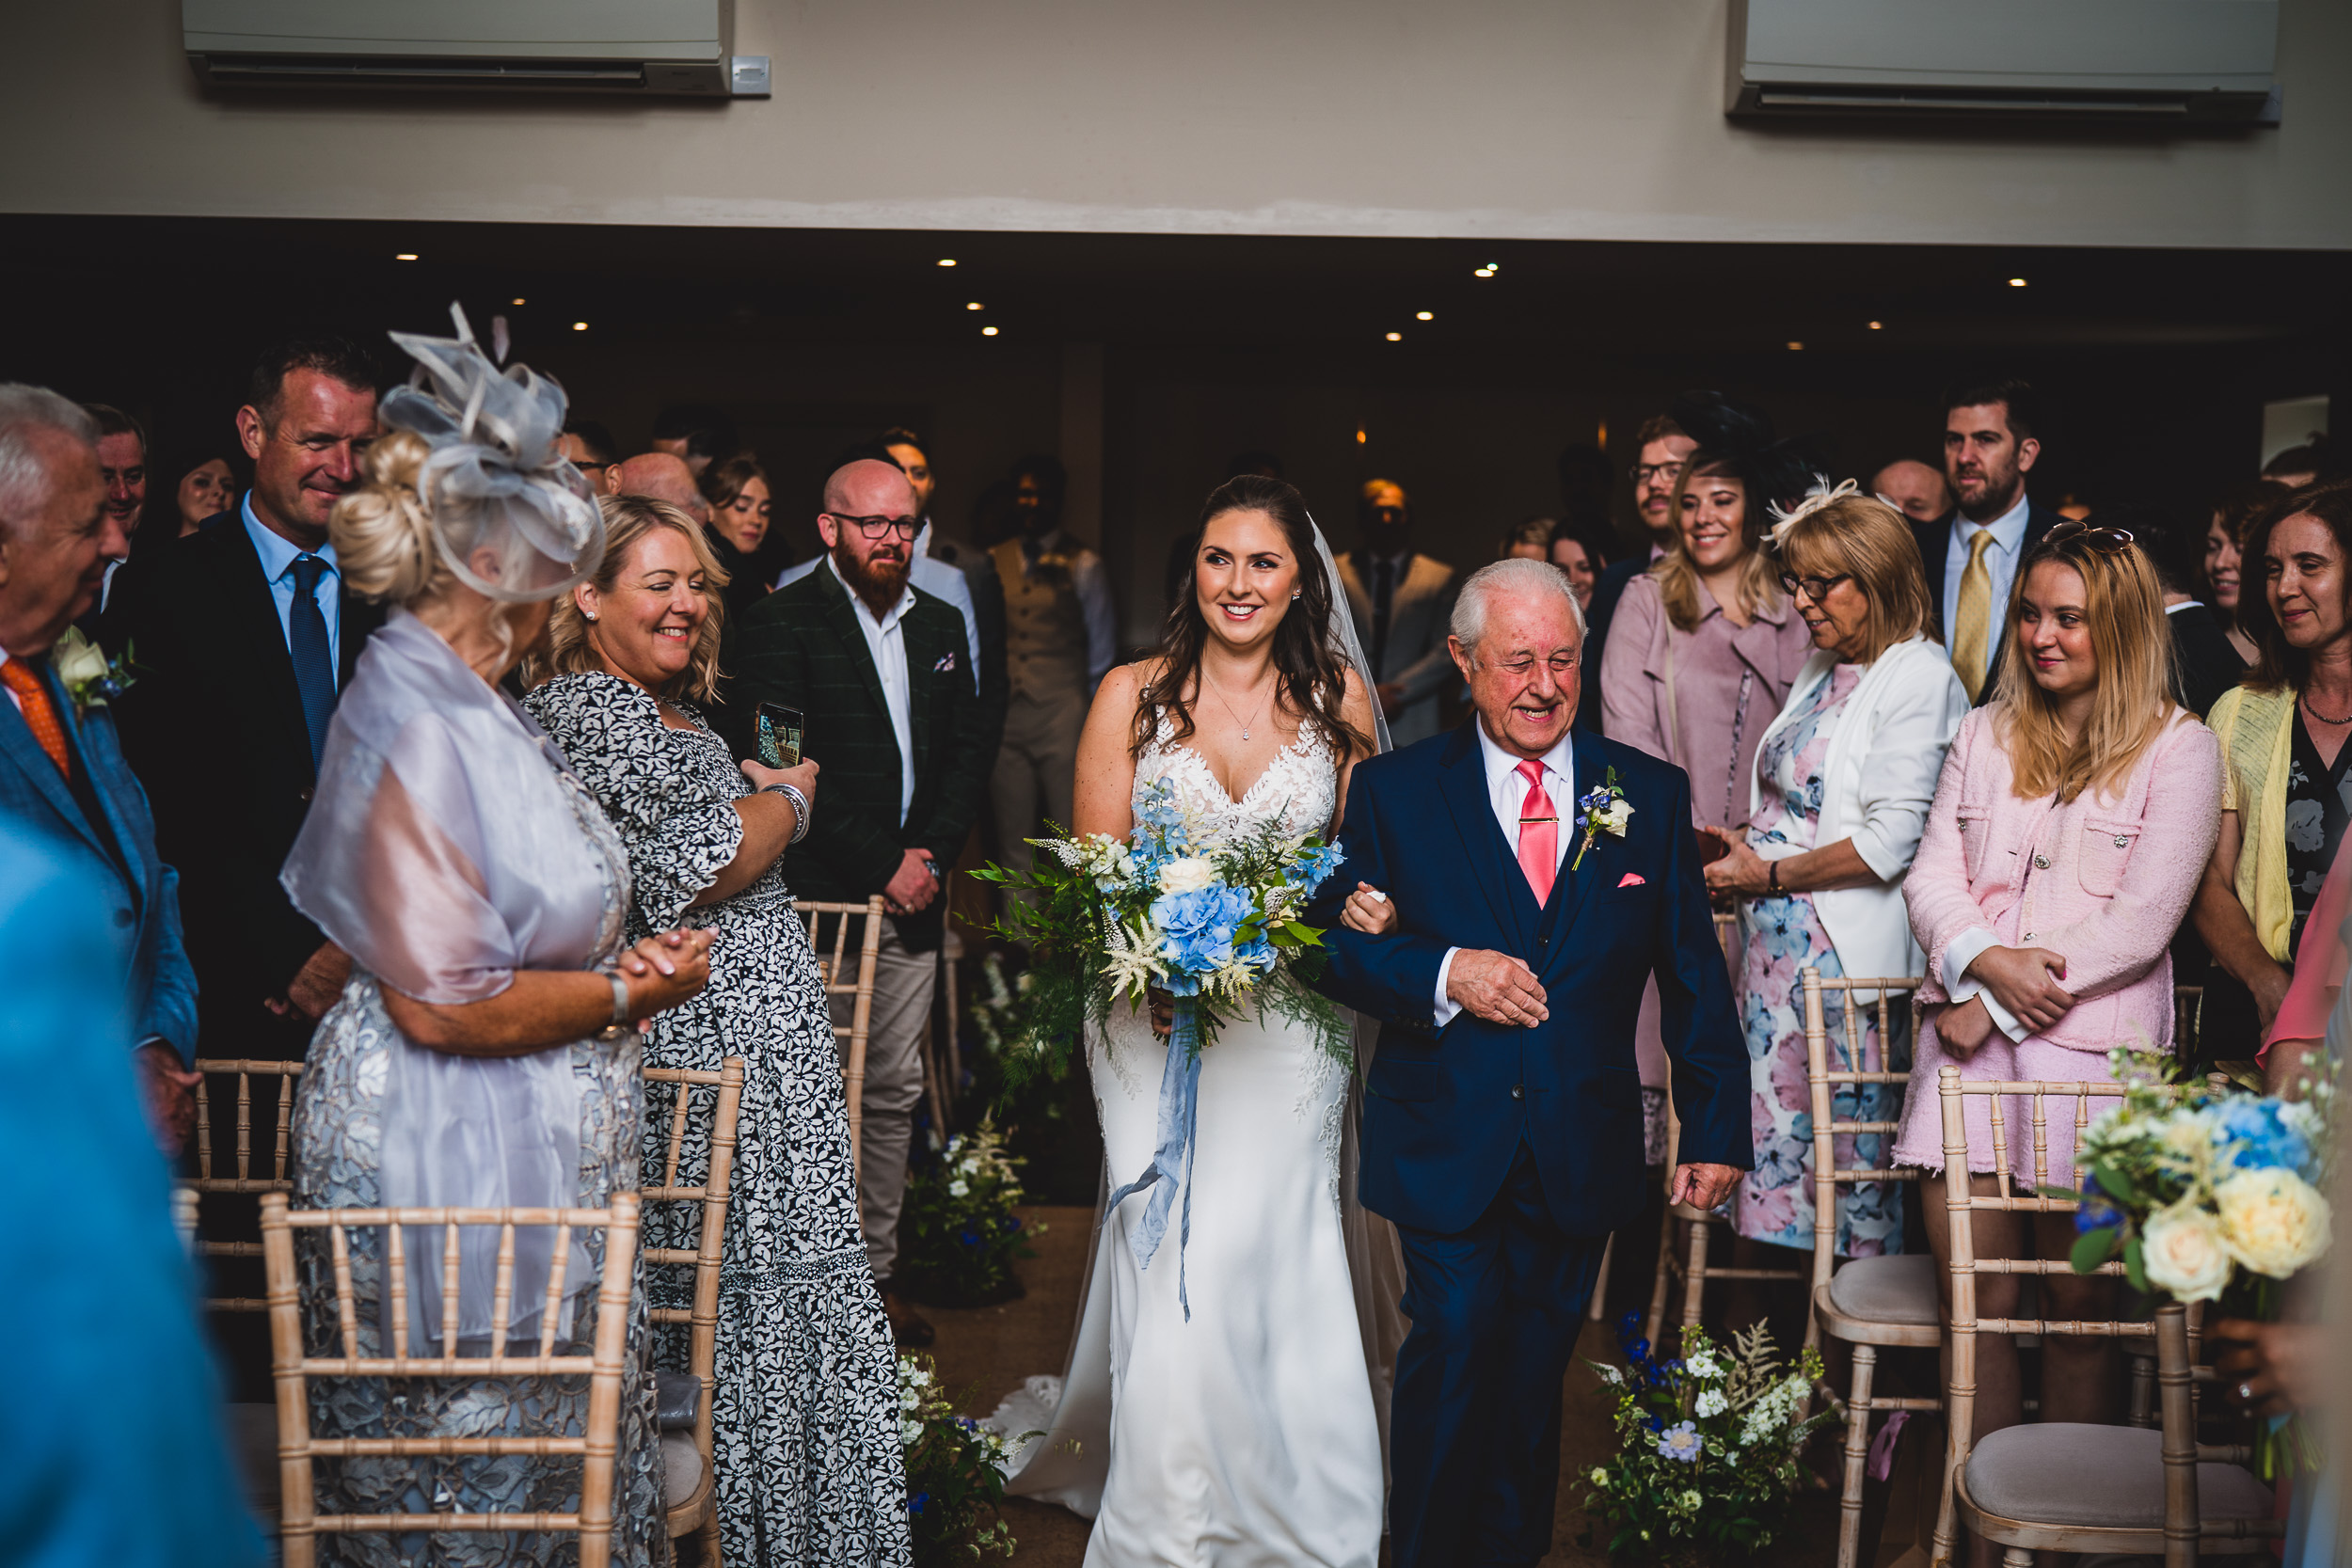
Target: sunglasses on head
2114, 541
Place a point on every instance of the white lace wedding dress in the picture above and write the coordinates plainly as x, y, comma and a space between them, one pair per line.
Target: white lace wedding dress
1249, 1436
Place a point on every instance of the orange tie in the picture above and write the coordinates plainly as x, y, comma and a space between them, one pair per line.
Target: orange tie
1540, 833
40, 714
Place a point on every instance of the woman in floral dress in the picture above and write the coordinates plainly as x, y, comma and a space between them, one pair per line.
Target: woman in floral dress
806, 1416
1843, 781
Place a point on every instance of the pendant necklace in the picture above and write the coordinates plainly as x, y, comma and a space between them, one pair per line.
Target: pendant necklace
1237, 719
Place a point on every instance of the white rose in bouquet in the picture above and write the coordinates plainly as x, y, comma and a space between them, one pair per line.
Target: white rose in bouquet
2184, 1253
1186, 874
2272, 1221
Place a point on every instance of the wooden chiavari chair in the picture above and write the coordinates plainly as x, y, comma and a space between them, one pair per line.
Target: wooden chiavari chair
1886, 1300
832, 965
605, 1367
209, 1179
2068, 1486
693, 1508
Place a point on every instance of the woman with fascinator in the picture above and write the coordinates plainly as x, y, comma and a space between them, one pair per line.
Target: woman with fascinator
485, 1051
1249, 1430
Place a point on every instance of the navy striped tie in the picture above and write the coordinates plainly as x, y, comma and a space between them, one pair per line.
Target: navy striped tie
315, 665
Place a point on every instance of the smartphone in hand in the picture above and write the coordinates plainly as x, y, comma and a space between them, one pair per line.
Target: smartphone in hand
780, 730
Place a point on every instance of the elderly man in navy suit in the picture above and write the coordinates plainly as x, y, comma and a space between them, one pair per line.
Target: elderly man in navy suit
62, 772
1540, 877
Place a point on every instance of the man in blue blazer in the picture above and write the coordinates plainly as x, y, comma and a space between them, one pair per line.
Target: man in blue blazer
62, 777
1503, 1121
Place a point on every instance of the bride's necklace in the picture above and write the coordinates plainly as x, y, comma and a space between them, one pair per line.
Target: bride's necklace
1237, 719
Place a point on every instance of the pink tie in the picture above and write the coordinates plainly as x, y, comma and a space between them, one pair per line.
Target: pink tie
1539, 833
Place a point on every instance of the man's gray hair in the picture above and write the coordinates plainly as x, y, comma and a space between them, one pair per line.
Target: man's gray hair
1517, 574
23, 478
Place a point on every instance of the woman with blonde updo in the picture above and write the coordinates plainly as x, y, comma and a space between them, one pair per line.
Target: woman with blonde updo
485, 1051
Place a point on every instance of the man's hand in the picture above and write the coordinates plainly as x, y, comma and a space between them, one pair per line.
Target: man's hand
912, 888
170, 1096
315, 986
1392, 696
1496, 986
2025, 981
1962, 1029
1703, 1186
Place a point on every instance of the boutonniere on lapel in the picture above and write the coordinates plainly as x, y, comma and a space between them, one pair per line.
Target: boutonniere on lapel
1605, 810
88, 676
947, 664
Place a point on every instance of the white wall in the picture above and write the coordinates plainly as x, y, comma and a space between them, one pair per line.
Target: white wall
1522, 118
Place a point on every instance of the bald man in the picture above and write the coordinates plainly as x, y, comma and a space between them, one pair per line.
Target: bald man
1916, 489
880, 670
662, 477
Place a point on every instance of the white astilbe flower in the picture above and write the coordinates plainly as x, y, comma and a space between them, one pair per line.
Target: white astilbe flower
1131, 962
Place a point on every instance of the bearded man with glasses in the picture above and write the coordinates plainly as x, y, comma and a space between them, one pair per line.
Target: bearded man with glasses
879, 668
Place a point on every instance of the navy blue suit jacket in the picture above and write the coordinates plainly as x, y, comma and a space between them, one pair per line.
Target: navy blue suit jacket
1445, 1112
118, 853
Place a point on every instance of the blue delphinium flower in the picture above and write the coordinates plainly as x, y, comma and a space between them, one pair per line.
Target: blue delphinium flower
1315, 866
2096, 1212
915, 1504
1681, 1442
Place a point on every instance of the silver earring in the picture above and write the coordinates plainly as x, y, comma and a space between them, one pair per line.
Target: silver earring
591, 617
1294, 592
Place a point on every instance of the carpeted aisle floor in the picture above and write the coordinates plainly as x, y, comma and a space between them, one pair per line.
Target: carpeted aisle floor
984, 1353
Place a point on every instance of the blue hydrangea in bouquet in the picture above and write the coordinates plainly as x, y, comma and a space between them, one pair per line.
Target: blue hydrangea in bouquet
2207, 1195
1709, 1446
1206, 917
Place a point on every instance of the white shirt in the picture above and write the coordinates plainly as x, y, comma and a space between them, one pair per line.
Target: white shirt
12, 696
1506, 792
935, 578
2000, 564
887, 641
277, 555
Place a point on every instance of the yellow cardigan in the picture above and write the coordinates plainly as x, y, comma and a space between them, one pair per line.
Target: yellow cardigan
2257, 731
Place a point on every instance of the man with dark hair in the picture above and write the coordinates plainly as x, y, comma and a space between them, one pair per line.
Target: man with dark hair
2309, 463
1992, 440
2204, 662
877, 666
697, 433
1060, 637
591, 448
1659, 449
122, 465
1913, 489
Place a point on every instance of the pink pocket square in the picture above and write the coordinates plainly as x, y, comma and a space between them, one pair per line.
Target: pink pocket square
1632, 879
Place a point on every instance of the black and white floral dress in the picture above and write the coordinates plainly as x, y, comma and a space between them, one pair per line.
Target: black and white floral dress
805, 1421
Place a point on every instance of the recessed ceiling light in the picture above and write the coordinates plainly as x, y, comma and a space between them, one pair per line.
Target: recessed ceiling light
976, 305
988, 332
1396, 336
1359, 435
1425, 315
947, 261
516, 300
1878, 326
1482, 272
580, 327
2016, 282
1794, 345
405, 256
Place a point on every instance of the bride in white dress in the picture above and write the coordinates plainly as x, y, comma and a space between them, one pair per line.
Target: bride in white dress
1250, 1434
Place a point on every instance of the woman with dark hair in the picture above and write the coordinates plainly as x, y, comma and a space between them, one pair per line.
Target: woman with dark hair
2283, 807
2225, 539
736, 490
1249, 1428
203, 487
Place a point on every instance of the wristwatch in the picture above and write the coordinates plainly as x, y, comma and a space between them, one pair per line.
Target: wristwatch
799, 808
619, 1028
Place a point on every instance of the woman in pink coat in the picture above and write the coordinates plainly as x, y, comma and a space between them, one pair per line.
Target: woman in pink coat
2072, 822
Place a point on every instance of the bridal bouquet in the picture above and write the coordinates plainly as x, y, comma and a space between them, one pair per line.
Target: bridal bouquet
1707, 1459
1212, 923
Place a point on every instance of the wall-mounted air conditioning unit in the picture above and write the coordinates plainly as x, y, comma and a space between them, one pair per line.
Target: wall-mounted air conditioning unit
2184, 63
646, 47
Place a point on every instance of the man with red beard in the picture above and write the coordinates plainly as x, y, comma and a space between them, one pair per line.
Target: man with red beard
878, 668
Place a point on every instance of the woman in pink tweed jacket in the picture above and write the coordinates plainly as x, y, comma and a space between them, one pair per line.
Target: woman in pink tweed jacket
2071, 825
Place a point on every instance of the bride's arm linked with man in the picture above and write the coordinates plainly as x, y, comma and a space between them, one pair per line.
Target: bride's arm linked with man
1540, 875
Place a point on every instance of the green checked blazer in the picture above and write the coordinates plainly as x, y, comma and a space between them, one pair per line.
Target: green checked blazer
800, 646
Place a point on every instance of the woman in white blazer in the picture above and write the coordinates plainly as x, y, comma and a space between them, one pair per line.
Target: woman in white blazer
1839, 799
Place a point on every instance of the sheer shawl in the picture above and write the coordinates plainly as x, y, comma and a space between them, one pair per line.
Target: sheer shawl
444, 852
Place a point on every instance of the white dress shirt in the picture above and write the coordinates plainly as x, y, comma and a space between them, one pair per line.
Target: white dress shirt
1506, 792
277, 555
935, 578
887, 641
2000, 564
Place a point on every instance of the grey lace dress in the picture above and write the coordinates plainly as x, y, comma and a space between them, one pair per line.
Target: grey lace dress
805, 1421
452, 849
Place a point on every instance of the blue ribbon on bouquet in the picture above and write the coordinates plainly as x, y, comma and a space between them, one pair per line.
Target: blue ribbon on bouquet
1179, 1105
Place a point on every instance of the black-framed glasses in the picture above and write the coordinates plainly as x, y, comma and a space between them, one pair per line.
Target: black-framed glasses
1816, 588
2113, 541
880, 527
1642, 473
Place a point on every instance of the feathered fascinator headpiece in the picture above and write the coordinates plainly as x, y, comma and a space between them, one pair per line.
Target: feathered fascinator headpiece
1819, 497
495, 479
1738, 436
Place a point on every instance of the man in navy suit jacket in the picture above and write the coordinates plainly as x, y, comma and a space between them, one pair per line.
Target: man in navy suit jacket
1503, 1121
62, 776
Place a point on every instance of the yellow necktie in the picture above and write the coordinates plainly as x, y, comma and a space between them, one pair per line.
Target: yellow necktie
1972, 630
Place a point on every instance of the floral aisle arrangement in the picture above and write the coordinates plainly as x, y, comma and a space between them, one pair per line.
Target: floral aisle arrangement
2207, 1195
1710, 1444
958, 1235
955, 1473
1212, 922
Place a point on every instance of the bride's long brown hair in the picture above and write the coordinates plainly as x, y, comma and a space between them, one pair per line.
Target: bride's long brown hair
1311, 677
